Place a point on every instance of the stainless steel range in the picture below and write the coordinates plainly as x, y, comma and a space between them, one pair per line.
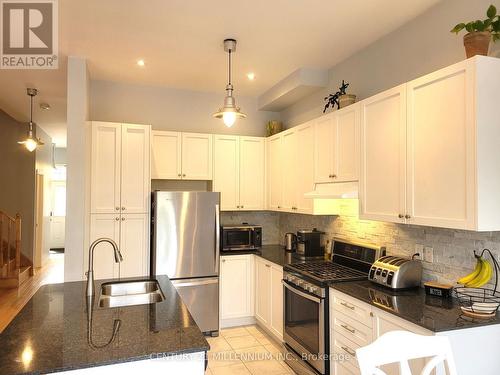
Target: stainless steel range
306, 302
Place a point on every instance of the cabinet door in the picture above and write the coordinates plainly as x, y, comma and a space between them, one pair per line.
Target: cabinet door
134, 245
441, 155
252, 173
324, 137
275, 172
108, 226
263, 291
227, 170
277, 301
303, 171
135, 175
236, 286
346, 144
290, 167
105, 168
166, 155
383, 156
196, 156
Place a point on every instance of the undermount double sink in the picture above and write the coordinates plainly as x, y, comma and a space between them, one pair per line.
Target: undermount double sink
130, 293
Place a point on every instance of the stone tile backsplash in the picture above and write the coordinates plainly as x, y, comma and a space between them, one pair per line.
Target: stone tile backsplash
453, 249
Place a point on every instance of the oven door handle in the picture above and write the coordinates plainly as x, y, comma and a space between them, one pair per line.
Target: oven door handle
301, 293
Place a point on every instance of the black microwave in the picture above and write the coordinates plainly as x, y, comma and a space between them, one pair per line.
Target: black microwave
241, 237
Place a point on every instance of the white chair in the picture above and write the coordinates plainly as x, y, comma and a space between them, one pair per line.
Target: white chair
402, 346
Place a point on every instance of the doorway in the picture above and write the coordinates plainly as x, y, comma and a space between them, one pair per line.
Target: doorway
58, 210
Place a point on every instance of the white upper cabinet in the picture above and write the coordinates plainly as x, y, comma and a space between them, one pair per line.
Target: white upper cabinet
135, 170
336, 146
383, 156
440, 142
324, 138
196, 156
302, 171
430, 149
252, 173
274, 172
105, 167
120, 168
239, 172
166, 155
290, 169
346, 144
181, 156
227, 170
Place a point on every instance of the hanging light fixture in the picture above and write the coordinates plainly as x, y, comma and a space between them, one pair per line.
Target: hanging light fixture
229, 113
31, 142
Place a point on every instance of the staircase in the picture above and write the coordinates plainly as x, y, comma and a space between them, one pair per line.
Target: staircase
15, 268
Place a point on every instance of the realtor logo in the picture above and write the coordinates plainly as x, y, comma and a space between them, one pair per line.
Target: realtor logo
28, 34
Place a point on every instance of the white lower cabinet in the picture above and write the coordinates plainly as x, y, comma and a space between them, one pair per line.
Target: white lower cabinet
130, 232
236, 287
269, 296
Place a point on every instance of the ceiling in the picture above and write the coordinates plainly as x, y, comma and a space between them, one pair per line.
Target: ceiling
181, 43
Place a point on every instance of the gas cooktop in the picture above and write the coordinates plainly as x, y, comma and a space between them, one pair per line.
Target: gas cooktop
326, 271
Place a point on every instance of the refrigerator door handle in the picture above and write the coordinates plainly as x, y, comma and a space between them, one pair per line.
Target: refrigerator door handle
217, 238
194, 282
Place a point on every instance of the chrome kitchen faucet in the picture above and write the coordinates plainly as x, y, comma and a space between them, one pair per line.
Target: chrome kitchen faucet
90, 272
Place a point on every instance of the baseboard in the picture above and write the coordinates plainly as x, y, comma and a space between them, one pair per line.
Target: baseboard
236, 322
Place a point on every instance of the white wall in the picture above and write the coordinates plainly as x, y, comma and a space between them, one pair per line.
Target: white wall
173, 109
76, 193
419, 47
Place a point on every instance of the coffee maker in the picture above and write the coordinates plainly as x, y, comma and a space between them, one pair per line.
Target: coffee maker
309, 244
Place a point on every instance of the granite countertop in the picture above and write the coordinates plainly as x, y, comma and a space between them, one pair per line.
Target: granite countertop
50, 333
433, 313
274, 253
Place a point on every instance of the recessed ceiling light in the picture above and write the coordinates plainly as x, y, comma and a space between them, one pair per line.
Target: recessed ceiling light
141, 62
251, 76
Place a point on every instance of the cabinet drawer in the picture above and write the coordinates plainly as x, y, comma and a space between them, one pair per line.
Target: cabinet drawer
344, 353
353, 308
352, 329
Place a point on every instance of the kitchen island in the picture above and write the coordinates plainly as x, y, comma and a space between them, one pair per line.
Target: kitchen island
54, 333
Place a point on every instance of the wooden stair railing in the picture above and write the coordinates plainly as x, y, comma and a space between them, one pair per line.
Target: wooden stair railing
10, 251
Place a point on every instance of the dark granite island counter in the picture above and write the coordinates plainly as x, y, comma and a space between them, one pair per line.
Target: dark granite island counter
52, 333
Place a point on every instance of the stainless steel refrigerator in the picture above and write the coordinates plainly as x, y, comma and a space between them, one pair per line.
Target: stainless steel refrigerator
185, 247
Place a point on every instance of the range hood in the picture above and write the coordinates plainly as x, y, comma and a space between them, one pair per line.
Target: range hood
334, 190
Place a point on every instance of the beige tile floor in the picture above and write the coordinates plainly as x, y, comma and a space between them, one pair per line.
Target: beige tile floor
245, 351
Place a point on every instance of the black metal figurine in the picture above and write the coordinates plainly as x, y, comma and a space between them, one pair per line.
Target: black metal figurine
333, 99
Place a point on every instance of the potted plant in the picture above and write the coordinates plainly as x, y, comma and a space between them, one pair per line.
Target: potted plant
480, 33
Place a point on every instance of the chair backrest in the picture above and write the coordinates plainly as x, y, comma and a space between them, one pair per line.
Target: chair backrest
402, 346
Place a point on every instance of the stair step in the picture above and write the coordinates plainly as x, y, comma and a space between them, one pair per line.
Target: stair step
16, 278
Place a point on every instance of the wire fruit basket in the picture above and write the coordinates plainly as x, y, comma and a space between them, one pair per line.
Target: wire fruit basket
480, 302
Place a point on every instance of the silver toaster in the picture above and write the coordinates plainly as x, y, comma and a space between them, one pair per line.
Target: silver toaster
396, 273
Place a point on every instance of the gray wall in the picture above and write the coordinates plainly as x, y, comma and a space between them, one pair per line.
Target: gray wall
419, 47
172, 109
17, 171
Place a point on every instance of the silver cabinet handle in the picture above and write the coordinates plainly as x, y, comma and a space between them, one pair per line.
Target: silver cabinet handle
123, 208
334, 176
345, 304
401, 216
117, 218
348, 351
268, 265
179, 175
407, 217
123, 219
223, 261
117, 208
183, 175
347, 328
241, 207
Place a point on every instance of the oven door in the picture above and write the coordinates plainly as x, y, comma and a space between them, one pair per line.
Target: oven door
237, 239
304, 325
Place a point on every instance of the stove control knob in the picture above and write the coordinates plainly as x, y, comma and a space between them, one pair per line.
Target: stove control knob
312, 289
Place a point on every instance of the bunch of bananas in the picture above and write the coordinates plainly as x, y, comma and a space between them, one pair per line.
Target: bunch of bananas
480, 276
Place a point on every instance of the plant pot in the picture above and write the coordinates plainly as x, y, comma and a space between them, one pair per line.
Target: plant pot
273, 127
346, 99
477, 43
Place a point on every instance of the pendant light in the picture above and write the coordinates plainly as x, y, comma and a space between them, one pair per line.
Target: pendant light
31, 142
229, 113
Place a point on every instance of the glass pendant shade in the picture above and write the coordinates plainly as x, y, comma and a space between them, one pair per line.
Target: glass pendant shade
31, 142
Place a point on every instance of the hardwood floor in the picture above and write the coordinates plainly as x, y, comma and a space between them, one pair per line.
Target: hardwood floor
13, 300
